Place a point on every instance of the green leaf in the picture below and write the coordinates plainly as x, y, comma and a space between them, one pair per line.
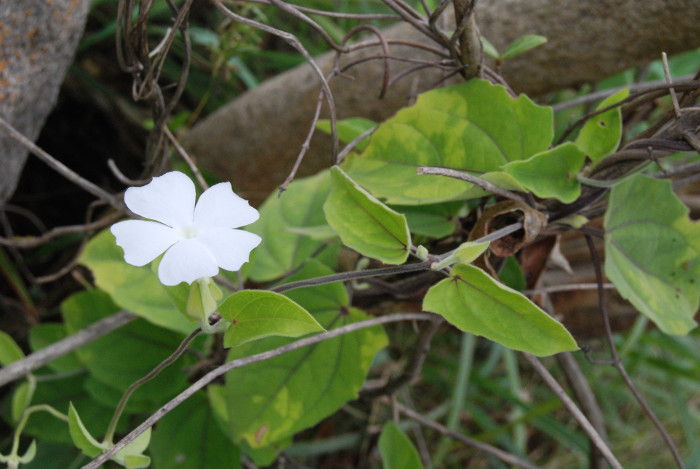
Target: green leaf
81, 436
489, 48
474, 126
282, 251
173, 448
43, 335
130, 456
551, 173
318, 298
22, 398
468, 251
348, 129
652, 252
474, 302
601, 134
9, 350
364, 223
277, 398
136, 289
512, 274
397, 450
434, 220
523, 44
255, 314
139, 346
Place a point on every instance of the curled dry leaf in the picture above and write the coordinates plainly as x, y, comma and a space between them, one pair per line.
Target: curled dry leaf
502, 214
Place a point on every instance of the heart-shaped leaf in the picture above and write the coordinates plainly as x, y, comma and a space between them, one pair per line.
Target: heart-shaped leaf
255, 314
652, 252
364, 223
475, 127
551, 173
474, 302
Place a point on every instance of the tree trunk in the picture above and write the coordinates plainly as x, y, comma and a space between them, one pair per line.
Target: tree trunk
254, 140
37, 43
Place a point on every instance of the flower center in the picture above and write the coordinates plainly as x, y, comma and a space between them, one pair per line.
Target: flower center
188, 231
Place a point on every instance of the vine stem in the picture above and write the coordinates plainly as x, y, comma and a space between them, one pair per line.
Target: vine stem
41, 357
62, 169
617, 361
574, 410
241, 362
483, 183
485, 447
112, 427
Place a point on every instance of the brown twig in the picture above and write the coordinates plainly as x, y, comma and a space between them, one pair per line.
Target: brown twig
617, 361
481, 446
574, 411
234, 364
484, 184
60, 168
36, 360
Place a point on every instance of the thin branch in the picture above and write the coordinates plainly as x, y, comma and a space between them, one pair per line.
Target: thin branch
60, 168
58, 349
484, 184
414, 365
186, 157
617, 362
574, 410
232, 365
25, 242
485, 447
354, 142
334, 14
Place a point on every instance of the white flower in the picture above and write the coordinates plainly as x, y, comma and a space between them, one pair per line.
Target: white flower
197, 240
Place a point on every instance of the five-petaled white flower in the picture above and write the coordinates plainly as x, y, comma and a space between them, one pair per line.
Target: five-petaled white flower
197, 239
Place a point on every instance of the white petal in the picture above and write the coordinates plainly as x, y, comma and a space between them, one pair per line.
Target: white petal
231, 248
168, 199
186, 261
143, 241
219, 207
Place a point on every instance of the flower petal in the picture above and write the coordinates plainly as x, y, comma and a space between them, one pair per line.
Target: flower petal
231, 248
186, 261
168, 199
219, 207
143, 241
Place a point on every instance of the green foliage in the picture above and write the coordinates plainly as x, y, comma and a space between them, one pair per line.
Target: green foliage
551, 173
474, 302
256, 314
600, 135
475, 126
364, 223
136, 289
202, 446
653, 252
397, 450
348, 129
9, 350
282, 250
272, 400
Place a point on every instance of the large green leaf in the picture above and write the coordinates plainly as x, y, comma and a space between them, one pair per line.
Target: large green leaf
474, 302
601, 134
551, 173
397, 450
202, 446
255, 314
45, 334
364, 223
276, 398
127, 354
136, 289
281, 250
652, 252
474, 126
318, 298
